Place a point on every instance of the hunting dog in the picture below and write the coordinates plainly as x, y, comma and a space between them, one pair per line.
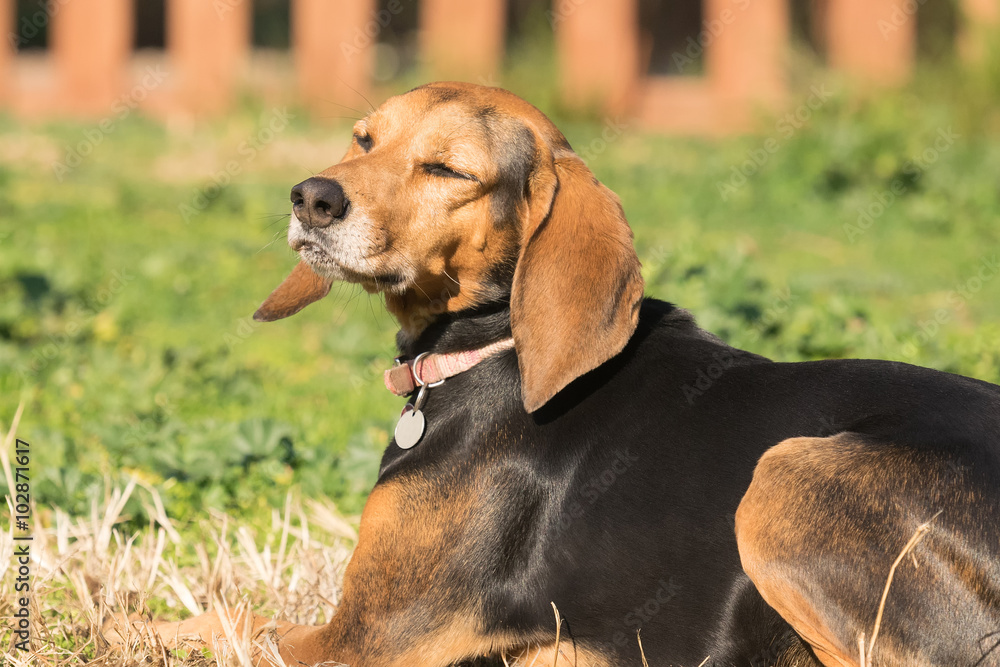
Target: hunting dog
549, 457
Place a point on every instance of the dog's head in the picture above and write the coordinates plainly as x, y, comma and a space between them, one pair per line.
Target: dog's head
454, 196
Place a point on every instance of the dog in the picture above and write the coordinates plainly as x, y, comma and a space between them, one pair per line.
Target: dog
552, 495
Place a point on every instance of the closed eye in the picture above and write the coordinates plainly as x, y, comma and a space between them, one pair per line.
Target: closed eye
444, 171
364, 141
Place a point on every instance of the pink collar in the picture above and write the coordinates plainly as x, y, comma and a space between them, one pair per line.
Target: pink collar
432, 369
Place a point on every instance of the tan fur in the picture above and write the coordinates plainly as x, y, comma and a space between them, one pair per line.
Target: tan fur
577, 286
820, 507
769, 524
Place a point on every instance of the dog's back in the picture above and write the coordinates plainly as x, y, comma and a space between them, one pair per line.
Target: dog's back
617, 501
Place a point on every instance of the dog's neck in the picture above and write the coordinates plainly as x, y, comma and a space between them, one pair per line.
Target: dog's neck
464, 330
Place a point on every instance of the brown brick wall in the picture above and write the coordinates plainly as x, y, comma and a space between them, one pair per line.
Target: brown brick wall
743, 45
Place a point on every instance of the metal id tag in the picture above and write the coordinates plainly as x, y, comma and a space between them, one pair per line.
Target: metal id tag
410, 427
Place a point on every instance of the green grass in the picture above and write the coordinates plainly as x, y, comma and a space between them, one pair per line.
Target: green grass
125, 328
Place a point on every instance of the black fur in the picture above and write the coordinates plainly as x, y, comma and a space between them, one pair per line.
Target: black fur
616, 500
512, 146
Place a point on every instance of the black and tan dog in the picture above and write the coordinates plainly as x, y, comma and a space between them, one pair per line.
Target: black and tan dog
560, 460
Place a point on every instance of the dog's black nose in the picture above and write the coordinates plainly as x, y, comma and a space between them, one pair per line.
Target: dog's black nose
318, 202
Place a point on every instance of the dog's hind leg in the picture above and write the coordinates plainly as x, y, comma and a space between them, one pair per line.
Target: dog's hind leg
825, 523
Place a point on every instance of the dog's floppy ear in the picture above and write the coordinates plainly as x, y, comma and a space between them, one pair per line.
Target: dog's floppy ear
298, 290
577, 286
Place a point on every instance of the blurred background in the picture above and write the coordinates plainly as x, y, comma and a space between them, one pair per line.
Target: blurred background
813, 178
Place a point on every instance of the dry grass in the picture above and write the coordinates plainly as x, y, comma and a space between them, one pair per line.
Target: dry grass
85, 570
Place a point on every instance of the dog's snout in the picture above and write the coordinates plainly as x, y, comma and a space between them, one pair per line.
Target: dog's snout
319, 202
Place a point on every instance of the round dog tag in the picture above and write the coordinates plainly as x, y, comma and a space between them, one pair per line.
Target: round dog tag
409, 428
